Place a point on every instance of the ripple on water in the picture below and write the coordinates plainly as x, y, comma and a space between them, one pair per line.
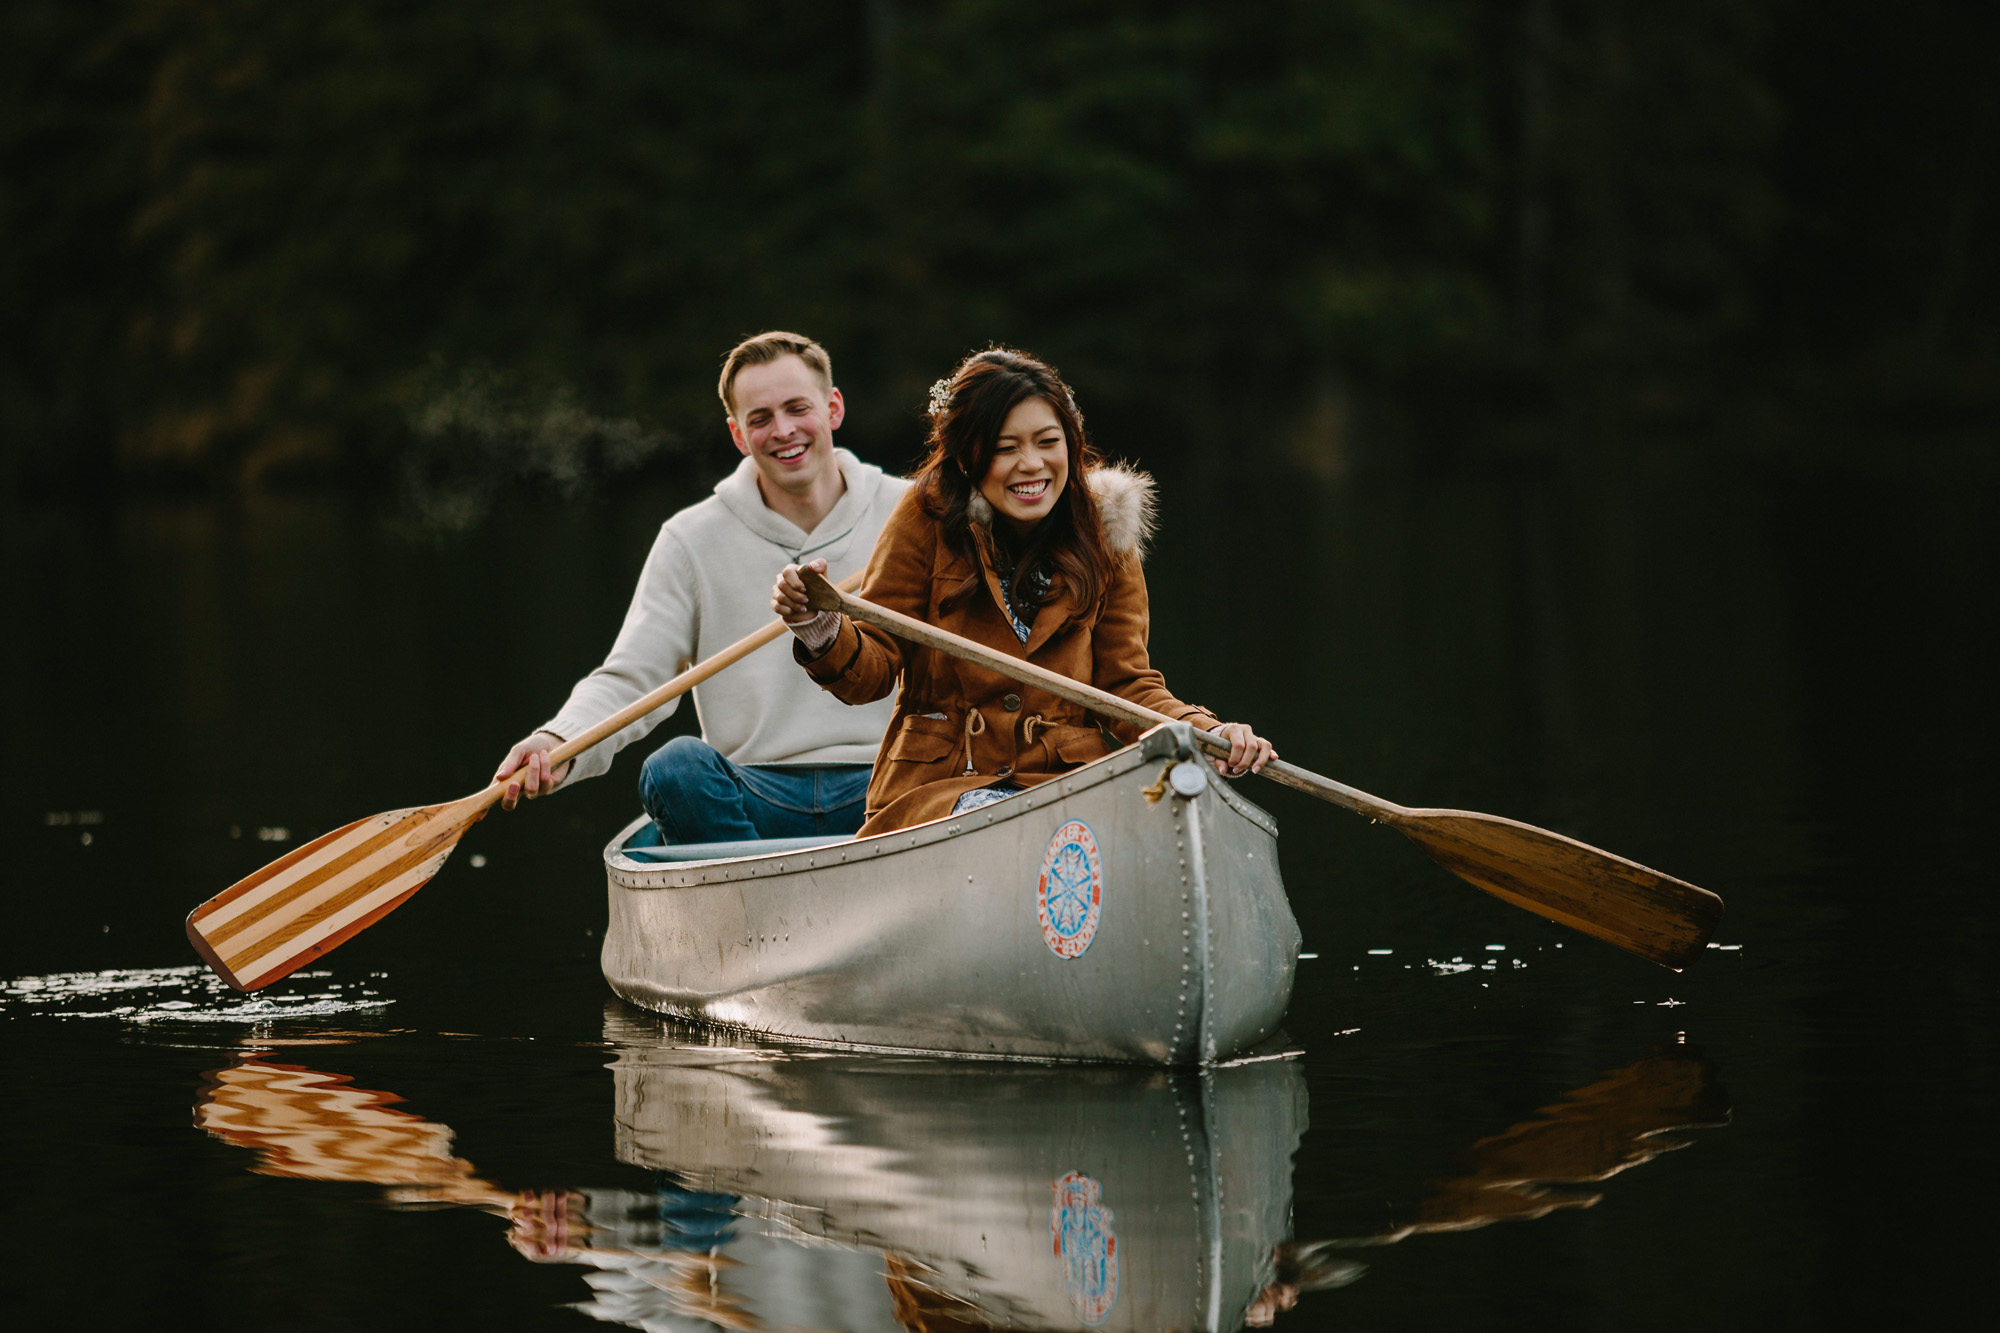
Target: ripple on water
179, 994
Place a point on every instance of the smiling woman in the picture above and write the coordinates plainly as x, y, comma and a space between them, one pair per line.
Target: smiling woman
1030, 466
1017, 535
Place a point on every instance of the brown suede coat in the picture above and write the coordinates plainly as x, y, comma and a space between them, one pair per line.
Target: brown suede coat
958, 726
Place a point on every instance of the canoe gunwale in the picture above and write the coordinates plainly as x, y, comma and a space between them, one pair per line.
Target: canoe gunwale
1168, 741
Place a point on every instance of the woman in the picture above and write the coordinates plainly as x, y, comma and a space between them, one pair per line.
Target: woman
1017, 536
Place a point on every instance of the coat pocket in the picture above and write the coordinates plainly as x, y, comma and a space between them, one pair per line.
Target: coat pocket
923, 740
1076, 745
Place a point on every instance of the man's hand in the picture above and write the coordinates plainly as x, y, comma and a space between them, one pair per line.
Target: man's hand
534, 778
788, 596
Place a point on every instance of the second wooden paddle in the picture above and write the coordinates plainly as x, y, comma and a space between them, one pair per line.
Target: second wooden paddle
1622, 902
312, 900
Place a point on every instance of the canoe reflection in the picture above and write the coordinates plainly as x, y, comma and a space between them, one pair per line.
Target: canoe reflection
1015, 1196
850, 1192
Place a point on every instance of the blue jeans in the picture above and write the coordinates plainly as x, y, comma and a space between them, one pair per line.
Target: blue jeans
695, 795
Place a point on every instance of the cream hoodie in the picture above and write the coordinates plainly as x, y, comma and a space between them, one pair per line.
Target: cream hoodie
706, 584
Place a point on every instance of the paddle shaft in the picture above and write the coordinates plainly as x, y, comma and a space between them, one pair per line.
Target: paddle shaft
1587, 888
1098, 701
673, 689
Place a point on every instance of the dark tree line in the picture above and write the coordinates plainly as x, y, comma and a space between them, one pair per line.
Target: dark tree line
245, 238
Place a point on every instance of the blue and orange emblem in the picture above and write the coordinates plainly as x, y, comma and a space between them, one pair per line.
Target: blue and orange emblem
1069, 897
1087, 1246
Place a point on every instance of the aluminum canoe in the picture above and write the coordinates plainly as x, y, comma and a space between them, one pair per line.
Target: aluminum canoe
1131, 910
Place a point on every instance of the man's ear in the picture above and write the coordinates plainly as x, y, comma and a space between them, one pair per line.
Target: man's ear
836, 409
736, 437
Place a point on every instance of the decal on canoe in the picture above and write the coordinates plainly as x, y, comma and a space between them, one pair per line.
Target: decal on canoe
1087, 1246
1069, 896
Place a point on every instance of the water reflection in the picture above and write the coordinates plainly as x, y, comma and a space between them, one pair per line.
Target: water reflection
315, 1126
1630, 1116
1021, 1196
1533, 1168
832, 1191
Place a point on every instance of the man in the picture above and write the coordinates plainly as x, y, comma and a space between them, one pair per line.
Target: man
778, 757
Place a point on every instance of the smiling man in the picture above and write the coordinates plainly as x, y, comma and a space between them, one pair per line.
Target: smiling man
777, 757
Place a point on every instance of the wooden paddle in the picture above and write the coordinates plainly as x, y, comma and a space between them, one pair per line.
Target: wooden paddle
1655, 916
314, 899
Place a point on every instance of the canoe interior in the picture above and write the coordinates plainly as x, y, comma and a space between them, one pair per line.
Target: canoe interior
640, 842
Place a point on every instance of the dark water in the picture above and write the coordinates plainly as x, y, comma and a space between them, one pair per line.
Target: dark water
1768, 682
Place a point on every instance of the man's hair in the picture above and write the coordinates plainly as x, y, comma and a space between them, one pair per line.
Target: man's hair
765, 348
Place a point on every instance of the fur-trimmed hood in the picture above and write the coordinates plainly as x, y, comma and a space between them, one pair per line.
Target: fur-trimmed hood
1125, 504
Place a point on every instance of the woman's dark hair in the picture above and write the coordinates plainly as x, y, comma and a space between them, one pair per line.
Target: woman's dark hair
967, 410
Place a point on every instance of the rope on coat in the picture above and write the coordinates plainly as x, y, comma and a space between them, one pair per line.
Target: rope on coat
1028, 725
975, 725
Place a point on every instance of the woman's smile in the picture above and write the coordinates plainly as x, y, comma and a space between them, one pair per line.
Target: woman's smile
1030, 465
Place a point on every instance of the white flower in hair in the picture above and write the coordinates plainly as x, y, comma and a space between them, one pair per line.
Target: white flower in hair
940, 397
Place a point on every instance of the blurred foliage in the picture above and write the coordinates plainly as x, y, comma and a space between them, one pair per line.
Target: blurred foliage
245, 240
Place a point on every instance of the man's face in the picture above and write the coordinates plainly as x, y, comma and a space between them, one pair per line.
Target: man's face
784, 423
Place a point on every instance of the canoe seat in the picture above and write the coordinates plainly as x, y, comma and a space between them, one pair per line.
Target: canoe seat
723, 851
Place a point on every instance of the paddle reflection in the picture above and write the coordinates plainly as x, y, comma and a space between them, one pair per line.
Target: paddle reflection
313, 1126
850, 1192
1533, 1168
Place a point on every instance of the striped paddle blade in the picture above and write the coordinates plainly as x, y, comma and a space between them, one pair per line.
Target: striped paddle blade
310, 902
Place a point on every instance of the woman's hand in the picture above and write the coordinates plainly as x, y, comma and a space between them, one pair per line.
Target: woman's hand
534, 776
788, 595
1248, 752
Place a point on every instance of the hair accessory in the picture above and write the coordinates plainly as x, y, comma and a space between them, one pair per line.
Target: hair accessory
941, 397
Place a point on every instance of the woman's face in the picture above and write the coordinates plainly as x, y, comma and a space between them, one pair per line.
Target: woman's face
1030, 466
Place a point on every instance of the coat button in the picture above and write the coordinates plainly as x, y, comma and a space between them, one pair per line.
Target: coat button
1006, 771
1012, 703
